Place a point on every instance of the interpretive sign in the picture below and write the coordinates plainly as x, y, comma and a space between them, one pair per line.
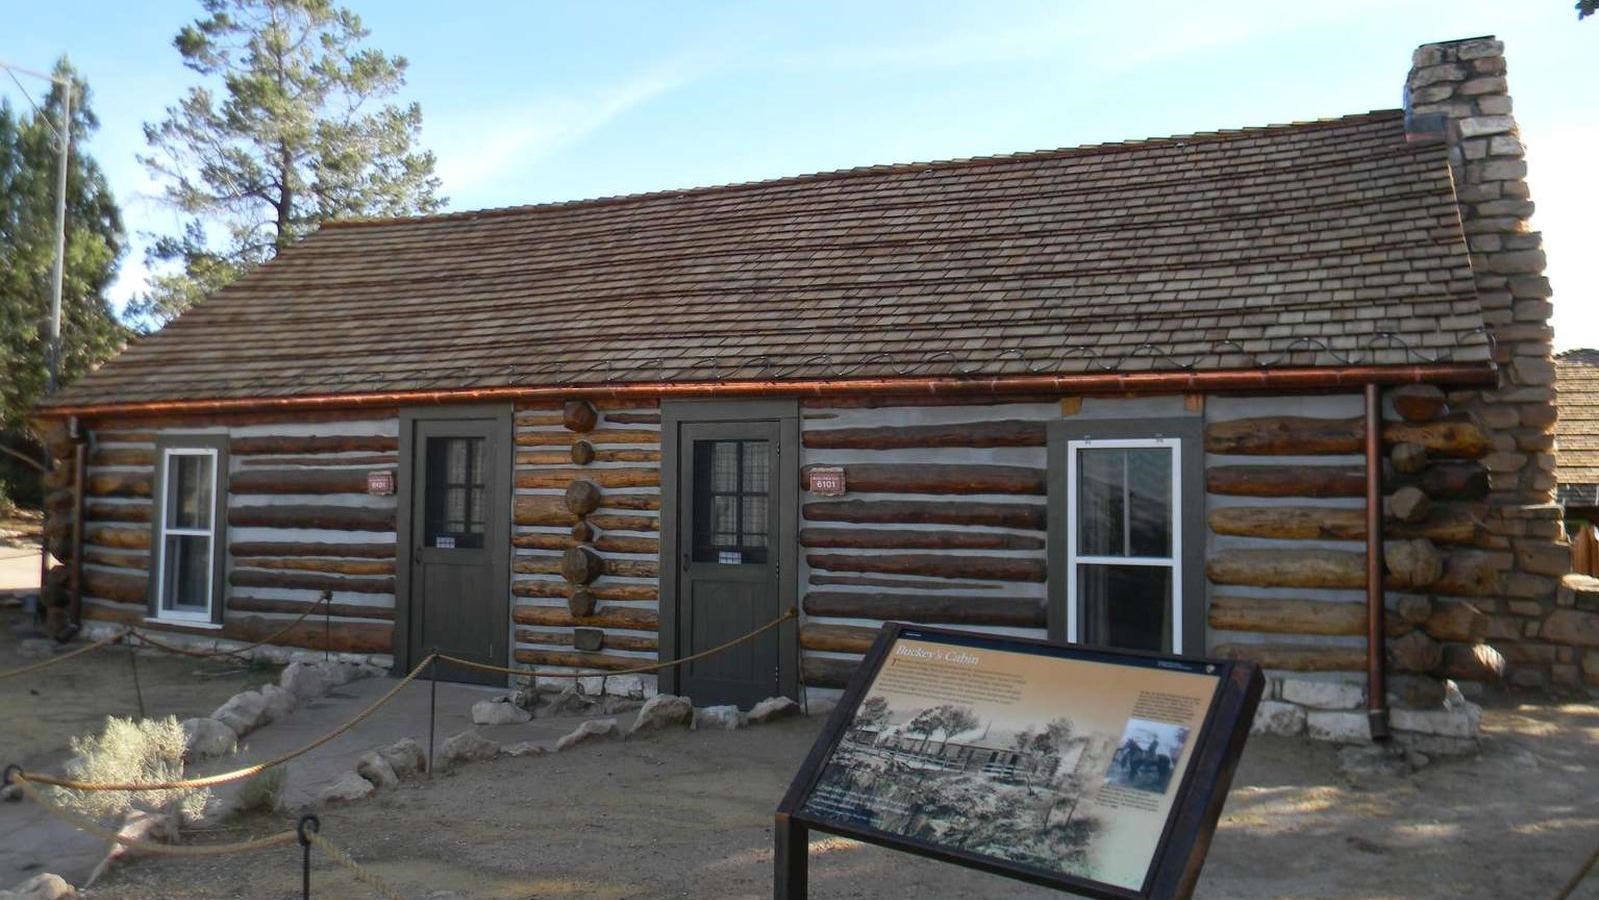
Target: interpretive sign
1095, 771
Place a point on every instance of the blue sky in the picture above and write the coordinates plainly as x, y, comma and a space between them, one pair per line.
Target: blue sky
532, 102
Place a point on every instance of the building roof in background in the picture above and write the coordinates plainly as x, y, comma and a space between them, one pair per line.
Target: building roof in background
1577, 428
1316, 244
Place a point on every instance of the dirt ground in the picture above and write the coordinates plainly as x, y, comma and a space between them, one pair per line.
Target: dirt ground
689, 815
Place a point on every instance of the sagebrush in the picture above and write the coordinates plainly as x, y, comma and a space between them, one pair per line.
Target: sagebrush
148, 750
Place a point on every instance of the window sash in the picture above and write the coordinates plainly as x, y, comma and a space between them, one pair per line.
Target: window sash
1074, 613
164, 604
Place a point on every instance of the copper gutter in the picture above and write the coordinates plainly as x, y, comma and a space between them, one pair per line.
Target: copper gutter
1376, 648
1259, 379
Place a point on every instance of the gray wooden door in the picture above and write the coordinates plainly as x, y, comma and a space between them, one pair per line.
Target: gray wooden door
729, 540
459, 542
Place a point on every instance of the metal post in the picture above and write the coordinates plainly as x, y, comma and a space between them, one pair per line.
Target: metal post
133, 661
433, 704
307, 823
54, 352
1376, 629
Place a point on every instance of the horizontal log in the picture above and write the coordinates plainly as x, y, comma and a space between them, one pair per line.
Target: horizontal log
1294, 616
328, 518
237, 603
1287, 481
1446, 481
928, 512
963, 434
536, 565
928, 478
1451, 438
539, 418
614, 522
939, 539
374, 460
122, 456
1296, 657
118, 537
1456, 620
313, 444
827, 671
957, 610
313, 634
837, 638
634, 418
543, 458
1451, 523
612, 641
115, 586
117, 512
1288, 568
541, 510
541, 541
625, 617
598, 661
105, 436
309, 581
602, 436
936, 565
118, 484
243, 549
298, 481
907, 584
1468, 574
601, 591
328, 566
606, 543
630, 501
605, 478
139, 562
631, 568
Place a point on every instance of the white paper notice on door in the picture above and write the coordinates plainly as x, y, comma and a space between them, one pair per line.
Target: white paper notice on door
730, 557
444, 542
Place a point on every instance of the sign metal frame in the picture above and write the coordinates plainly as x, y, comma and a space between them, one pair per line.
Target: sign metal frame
1189, 825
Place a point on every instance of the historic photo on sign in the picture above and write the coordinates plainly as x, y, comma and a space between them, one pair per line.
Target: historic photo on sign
1061, 764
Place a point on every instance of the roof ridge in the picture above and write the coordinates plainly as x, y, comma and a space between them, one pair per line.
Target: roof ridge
878, 169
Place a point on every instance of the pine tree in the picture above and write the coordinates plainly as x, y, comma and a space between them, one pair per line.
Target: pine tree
95, 242
294, 138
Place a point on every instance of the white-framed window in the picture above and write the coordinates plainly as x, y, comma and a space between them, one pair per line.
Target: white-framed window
184, 585
1124, 543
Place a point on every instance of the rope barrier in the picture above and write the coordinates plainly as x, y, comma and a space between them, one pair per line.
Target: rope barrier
368, 878
237, 774
65, 656
209, 654
24, 783
1577, 878
652, 667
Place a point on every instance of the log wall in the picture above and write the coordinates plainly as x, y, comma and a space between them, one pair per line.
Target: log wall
299, 521
586, 535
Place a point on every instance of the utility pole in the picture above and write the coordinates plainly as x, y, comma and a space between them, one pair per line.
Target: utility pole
63, 143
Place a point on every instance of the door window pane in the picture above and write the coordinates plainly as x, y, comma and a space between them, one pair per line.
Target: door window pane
1124, 502
1127, 607
730, 501
454, 515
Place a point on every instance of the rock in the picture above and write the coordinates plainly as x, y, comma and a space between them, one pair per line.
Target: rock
499, 711
1454, 723
663, 711
820, 707
350, 787
405, 758
1276, 717
772, 709
468, 746
13, 794
569, 702
243, 713
47, 886
612, 706
1571, 626
725, 718
589, 730
524, 748
36, 648
207, 738
1472, 662
1437, 745
307, 681
374, 768
1455, 620
1340, 727
1416, 691
340, 673
1323, 694
1375, 759
633, 687
280, 703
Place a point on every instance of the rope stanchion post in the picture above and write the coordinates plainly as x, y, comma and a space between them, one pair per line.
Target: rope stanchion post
308, 825
138, 690
327, 627
433, 703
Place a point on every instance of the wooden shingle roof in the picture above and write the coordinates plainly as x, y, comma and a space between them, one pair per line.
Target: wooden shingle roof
1577, 428
1322, 243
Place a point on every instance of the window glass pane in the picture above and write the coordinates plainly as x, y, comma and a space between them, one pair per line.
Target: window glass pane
1149, 501
454, 514
185, 569
189, 491
1101, 503
730, 498
1126, 607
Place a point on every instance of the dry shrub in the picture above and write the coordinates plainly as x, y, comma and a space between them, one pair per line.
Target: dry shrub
132, 751
262, 793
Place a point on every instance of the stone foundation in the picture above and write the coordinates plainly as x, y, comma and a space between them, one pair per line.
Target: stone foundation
1336, 711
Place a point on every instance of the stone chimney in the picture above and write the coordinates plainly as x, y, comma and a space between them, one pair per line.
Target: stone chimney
1457, 94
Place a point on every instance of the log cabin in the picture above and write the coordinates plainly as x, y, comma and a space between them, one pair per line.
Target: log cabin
1577, 435
1279, 393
